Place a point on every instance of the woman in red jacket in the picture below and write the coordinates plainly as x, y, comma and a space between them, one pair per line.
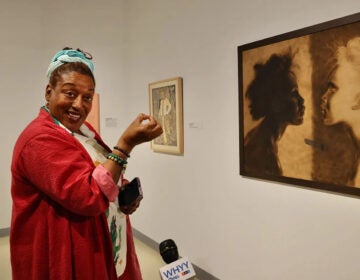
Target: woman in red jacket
64, 178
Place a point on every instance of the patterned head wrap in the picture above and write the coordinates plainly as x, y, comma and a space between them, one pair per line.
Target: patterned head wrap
66, 56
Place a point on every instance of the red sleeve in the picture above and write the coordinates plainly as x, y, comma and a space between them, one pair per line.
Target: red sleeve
61, 168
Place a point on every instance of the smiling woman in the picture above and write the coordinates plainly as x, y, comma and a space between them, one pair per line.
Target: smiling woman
70, 100
64, 185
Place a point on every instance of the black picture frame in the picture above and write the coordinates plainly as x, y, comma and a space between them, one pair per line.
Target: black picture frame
313, 147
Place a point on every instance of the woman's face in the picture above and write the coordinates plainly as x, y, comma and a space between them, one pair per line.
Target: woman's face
71, 99
290, 104
341, 100
326, 103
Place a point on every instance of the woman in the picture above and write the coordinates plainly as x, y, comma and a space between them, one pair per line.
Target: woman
341, 101
63, 180
274, 98
340, 104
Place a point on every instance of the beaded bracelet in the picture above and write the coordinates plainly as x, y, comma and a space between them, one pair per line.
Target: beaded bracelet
118, 160
122, 151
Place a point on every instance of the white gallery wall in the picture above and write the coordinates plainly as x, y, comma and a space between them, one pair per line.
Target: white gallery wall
230, 226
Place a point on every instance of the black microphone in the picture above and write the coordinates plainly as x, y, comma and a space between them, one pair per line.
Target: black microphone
168, 251
176, 268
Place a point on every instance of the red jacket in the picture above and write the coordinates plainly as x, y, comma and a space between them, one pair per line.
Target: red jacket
59, 230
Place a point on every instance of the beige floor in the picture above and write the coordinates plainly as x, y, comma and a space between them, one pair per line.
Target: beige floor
150, 260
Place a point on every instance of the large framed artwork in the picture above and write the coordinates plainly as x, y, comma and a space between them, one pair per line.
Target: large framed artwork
165, 100
299, 107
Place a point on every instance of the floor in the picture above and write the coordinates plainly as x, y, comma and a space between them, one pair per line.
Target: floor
150, 260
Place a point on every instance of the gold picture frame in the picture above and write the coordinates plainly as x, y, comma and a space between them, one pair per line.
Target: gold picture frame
166, 106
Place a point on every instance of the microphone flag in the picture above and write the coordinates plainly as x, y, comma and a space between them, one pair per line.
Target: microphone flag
181, 269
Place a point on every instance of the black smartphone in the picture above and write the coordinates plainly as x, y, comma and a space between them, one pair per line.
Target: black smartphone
130, 192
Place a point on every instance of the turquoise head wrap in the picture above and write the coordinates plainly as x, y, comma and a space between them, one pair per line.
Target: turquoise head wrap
66, 56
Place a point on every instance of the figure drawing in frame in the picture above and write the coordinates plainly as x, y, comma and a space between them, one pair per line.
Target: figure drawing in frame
164, 106
165, 99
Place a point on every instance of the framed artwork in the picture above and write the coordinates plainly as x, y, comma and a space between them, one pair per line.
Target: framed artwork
94, 116
299, 107
165, 100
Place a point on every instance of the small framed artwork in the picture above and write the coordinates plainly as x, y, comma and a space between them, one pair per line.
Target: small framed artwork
166, 106
299, 107
94, 116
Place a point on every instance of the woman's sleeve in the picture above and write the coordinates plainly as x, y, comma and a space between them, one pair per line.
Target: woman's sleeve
106, 182
58, 166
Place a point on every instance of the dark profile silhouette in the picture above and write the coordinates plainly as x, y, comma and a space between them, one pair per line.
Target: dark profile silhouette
274, 99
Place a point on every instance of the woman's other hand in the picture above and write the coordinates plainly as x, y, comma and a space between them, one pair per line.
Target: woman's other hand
129, 209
